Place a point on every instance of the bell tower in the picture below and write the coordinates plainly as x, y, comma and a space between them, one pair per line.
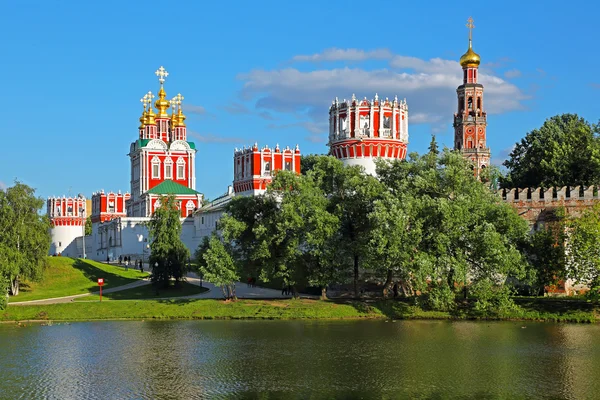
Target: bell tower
470, 121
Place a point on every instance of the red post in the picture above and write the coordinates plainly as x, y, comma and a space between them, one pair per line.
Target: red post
100, 283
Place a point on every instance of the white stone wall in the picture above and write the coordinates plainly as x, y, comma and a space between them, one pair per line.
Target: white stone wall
61, 239
367, 163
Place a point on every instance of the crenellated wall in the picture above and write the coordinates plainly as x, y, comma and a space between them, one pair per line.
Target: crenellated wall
537, 205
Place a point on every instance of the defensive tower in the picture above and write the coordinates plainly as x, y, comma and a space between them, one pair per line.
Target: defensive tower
361, 131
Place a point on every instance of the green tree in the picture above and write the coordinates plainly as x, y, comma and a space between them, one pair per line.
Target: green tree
216, 265
583, 248
545, 253
168, 254
395, 237
564, 151
24, 236
88, 226
468, 234
351, 194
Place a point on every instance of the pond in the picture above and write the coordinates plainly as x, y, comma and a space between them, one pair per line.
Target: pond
299, 359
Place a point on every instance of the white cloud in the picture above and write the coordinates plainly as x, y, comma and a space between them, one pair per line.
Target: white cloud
335, 54
236, 108
3, 185
428, 85
210, 138
512, 73
192, 109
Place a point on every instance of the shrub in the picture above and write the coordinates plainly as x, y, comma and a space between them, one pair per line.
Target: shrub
440, 298
493, 299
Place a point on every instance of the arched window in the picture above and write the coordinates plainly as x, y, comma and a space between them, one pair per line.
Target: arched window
155, 167
168, 168
189, 208
267, 167
288, 165
180, 168
470, 103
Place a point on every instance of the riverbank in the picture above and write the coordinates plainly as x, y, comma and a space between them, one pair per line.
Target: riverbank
536, 310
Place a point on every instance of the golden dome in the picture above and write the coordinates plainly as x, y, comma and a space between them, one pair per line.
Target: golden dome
470, 58
162, 105
150, 116
180, 118
142, 120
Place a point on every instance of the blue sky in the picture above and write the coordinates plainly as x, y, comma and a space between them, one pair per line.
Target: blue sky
73, 73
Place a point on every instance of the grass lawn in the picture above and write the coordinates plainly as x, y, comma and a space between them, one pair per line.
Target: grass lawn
66, 276
280, 309
147, 292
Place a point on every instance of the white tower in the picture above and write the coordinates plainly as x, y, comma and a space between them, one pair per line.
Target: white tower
361, 131
67, 215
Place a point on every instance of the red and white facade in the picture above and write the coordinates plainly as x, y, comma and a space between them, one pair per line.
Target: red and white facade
361, 131
67, 217
162, 160
107, 206
470, 121
254, 168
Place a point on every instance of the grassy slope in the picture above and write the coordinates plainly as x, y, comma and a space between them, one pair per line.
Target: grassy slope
147, 292
276, 309
66, 276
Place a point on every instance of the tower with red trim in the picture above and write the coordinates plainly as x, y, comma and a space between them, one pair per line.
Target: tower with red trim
67, 217
254, 168
470, 121
360, 131
162, 159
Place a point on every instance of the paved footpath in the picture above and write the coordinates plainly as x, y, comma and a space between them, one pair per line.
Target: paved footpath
242, 291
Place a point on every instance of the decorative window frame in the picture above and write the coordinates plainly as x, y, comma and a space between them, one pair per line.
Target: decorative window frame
189, 208
168, 163
180, 164
155, 162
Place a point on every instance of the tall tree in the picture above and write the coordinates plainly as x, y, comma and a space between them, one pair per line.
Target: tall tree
545, 253
216, 265
564, 151
168, 254
351, 195
24, 235
395, 237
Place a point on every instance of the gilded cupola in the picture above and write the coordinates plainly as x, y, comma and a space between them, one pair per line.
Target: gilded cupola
470, 58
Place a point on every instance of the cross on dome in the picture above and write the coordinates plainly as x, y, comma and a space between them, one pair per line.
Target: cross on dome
162, 74
470, 26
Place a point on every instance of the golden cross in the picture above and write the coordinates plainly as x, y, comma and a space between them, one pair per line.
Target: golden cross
470, 26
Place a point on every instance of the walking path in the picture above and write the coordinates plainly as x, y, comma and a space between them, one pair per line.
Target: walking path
242, 291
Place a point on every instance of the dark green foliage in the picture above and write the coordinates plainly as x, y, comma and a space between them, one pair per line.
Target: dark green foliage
168, 255
564, 151
88, 226
545, 253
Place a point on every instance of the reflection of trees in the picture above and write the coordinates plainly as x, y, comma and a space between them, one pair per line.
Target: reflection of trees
304, 359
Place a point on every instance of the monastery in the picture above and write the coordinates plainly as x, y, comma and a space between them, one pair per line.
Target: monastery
360, 131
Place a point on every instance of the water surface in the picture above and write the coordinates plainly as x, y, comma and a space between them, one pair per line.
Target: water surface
299, 359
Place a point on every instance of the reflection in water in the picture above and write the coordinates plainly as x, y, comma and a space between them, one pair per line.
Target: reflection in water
299, 359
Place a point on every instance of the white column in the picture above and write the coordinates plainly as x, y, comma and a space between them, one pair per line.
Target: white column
394, 116
356, 120
370, 120
380, 119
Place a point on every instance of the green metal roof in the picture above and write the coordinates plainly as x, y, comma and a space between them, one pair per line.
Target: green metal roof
170, 187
